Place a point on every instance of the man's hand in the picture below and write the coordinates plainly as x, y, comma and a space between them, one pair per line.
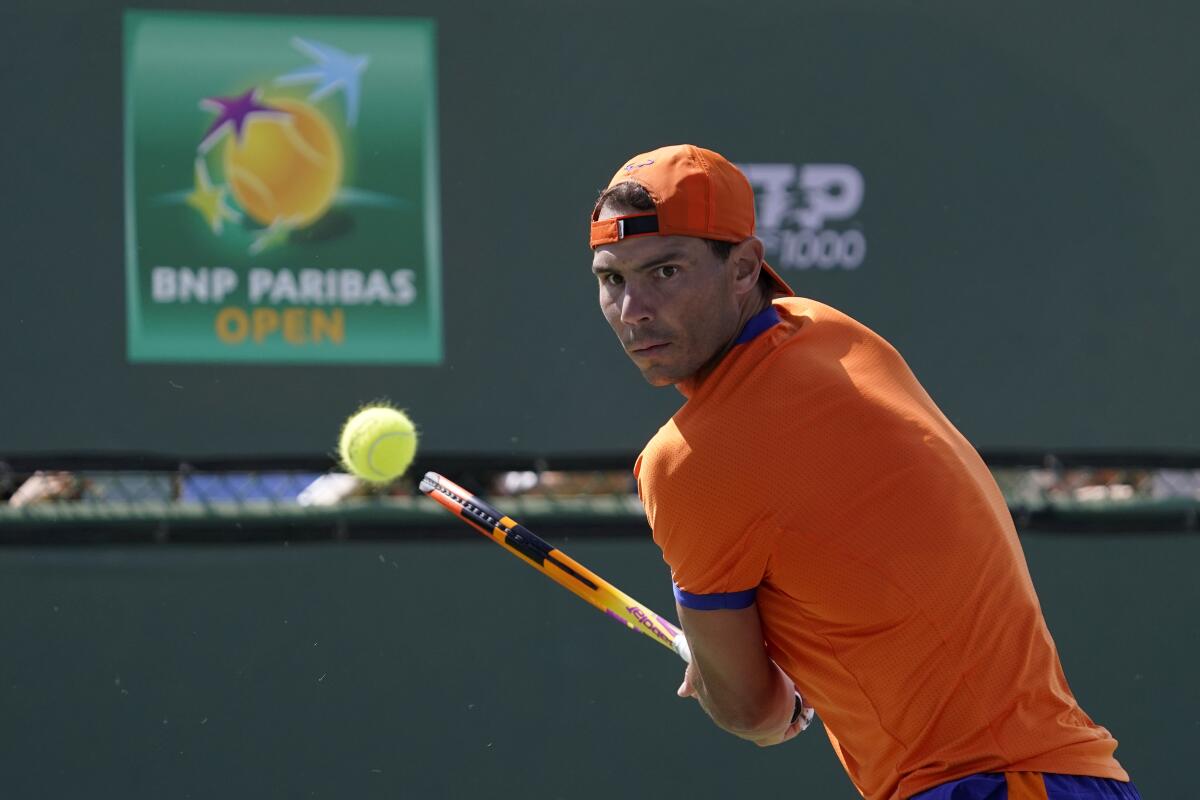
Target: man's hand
733, 678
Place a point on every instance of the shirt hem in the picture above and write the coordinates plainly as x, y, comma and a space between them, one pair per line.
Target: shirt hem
1092, 770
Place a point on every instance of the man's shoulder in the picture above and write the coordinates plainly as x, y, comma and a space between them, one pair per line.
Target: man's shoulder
820, 347
802, 315
665, 446
806, 352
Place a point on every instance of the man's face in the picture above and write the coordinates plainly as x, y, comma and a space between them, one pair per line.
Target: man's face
670, 301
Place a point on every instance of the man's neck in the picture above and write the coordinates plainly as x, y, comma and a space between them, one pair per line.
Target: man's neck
755, 304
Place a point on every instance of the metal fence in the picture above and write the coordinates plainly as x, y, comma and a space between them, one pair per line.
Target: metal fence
307, 502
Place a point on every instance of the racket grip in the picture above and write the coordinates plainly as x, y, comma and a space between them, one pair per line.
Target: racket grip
681, 647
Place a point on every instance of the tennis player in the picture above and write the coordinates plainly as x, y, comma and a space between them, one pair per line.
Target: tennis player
827, 528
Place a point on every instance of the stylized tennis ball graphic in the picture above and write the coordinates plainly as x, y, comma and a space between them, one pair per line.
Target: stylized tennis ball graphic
285, 165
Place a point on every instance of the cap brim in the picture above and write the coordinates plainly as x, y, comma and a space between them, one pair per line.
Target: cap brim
778, 283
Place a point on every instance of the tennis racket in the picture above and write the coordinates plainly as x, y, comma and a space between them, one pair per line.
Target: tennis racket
564, 570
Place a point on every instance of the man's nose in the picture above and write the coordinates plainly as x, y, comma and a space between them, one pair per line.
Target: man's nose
634, 309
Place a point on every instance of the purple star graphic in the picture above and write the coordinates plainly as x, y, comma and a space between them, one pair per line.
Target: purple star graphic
232, 112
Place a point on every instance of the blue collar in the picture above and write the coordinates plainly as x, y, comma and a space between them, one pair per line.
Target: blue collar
762, 321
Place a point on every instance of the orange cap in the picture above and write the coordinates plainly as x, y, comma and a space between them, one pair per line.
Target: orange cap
696, 192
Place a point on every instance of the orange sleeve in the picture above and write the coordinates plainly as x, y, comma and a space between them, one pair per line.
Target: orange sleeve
718, 555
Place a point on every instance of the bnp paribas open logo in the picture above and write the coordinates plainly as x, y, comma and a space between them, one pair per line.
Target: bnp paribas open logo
281, 188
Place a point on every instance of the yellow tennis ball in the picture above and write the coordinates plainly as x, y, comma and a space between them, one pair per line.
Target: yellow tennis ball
378, 443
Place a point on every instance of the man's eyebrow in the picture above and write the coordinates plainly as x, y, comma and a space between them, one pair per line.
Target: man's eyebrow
657, 261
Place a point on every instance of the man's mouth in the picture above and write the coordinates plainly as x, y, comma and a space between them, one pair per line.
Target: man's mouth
648, 348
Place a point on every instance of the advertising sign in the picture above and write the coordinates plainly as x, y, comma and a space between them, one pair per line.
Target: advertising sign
281, 189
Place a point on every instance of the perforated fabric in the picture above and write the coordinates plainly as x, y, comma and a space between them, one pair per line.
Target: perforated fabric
812, 466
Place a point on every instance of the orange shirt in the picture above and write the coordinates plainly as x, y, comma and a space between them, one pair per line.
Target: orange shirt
812, 473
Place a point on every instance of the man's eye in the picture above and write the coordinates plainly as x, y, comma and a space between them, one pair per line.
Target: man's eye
611, 279
667, 270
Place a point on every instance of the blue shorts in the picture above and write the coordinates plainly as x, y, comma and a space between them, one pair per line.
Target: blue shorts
995, 786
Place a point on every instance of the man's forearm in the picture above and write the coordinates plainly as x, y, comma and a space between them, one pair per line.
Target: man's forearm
759, 719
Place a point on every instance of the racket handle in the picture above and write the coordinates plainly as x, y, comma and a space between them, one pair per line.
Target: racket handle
681, 647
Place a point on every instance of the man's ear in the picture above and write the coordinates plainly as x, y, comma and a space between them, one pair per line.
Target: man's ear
746, 259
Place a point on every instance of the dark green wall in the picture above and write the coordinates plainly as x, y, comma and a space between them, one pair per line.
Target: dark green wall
450, 670
1029, 210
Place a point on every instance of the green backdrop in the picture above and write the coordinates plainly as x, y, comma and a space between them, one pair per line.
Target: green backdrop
429, 669
1028, 175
